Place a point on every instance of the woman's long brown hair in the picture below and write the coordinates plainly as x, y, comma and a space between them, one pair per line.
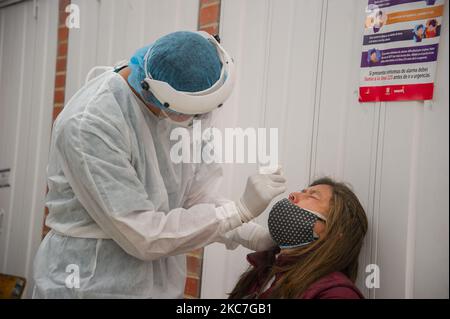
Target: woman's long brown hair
337, 250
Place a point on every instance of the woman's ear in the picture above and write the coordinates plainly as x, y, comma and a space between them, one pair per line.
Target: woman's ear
319, 228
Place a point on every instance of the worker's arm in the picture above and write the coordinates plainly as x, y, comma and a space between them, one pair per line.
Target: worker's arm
204, 189
95, 154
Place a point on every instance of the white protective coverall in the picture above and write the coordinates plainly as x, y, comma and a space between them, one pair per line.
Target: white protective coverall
121, 212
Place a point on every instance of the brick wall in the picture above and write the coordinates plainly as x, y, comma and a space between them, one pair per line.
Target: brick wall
209, 16
60, 76
208, 20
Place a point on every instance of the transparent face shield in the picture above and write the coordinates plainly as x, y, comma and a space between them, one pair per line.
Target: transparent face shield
180, 119
183, 108
184, 120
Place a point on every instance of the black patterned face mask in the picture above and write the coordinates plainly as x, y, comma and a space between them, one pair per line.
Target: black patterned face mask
291, 226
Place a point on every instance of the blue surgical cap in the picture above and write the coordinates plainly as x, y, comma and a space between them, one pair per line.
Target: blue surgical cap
185, 60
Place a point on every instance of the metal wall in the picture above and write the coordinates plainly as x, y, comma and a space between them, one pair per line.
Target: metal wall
298, 64
112, 30
27, 73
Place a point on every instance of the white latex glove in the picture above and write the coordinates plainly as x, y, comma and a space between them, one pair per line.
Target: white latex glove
259, 191
252, 236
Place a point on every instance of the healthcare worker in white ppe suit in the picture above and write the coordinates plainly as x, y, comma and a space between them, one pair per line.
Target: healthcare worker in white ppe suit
122, 213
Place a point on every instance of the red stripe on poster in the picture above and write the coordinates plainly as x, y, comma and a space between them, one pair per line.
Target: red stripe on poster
396, 92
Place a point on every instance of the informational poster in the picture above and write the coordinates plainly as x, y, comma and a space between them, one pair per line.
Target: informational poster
400, 48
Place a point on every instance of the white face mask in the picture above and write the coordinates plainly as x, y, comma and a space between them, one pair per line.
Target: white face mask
291, 226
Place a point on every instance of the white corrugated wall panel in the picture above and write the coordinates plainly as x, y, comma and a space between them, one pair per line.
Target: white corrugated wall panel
345, 132
298, 70
430, 258
27, 64
112, 30
275, 88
